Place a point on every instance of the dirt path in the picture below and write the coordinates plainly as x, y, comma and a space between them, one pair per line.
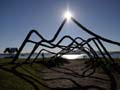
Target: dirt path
70, 77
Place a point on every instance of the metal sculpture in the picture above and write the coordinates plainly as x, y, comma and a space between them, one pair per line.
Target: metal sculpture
83, 45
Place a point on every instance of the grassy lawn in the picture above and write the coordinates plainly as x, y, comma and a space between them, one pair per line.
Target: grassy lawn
23, 77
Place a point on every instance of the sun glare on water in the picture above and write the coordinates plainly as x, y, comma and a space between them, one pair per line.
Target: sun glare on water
71, 57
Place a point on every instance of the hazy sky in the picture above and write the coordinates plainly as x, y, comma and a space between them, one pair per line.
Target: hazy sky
18, 17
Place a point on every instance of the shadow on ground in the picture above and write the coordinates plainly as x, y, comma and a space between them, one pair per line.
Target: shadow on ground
39, 77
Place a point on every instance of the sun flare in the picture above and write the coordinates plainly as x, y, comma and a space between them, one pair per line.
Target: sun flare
68, 15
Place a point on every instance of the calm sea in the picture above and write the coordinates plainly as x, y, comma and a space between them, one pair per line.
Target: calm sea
72, 56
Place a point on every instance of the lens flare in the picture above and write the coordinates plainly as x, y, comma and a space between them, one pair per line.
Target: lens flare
68, 15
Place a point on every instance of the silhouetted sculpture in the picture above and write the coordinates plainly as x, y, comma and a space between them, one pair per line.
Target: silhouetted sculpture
83, 45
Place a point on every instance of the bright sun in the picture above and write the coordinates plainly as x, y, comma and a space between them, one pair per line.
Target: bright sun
68, 15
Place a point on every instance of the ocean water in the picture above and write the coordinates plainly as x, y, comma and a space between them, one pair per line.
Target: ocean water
68, 56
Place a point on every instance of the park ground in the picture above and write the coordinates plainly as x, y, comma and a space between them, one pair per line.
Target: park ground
36, 76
